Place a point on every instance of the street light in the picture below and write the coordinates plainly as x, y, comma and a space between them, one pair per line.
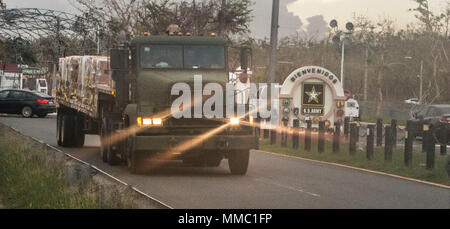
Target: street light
342, 38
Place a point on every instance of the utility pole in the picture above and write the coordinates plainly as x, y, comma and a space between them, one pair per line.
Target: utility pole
421, 82
273, 41
98, 39
340, 38
342, 63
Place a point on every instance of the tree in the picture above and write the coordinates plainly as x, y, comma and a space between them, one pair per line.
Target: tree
138, 16
434, 28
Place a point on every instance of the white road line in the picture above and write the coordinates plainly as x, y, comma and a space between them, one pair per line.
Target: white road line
266, 181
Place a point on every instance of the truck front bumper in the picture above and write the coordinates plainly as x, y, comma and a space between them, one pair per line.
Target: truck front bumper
217, 142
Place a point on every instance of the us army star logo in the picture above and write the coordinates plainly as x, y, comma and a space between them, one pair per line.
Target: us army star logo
313, 95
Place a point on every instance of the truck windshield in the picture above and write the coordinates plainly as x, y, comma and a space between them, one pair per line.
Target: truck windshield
162, 56
42, 83
171, 56
204, 57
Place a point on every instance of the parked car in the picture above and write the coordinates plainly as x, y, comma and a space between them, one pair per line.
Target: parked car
437, 117
352, 109
27, 103
414, 101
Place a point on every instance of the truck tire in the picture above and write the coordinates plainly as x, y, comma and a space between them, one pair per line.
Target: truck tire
58, 129
104, 132
67, 133
132, 163
112, 157
132, 157
79, 131
107, 145
238, 161
213, 159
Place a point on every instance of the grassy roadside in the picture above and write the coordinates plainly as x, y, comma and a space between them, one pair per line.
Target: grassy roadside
27, 182
396, 166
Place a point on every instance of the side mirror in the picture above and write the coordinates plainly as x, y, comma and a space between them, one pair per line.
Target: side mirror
119, 59
244, 59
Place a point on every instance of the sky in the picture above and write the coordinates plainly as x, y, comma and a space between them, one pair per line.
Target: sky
343, 10
294, 14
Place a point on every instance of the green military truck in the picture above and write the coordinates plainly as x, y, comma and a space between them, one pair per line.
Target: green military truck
128, 104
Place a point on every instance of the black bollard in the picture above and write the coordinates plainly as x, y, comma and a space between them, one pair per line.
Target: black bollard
379, 132
394, 133
284, 133
336, 137
321, 141
447, 166
296, 125
308, 135
428, 140
257, 127
430, 148
387, 143
409, 139
266, 133
444, 139
353, 138
424, 144
273, 136
370, 141
358, 125
346, 126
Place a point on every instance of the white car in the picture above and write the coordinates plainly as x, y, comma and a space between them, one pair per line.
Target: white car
414, 101
352, 108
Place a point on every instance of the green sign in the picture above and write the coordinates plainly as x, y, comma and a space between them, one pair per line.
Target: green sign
33, 71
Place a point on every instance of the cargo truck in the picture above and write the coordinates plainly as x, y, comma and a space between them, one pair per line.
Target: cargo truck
125, 98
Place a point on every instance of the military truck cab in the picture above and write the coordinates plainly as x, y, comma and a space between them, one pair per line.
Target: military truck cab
158, 63
133, 114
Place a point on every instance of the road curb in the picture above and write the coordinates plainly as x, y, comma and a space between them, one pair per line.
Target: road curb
360, 169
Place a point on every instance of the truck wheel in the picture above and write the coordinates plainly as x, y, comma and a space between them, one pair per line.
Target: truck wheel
67, 134
111, 156
238, 161
132, 163
104, 132
131, 156
110, 153
58, 129
79, 131
213, 159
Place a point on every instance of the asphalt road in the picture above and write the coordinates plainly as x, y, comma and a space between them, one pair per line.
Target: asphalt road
272, 181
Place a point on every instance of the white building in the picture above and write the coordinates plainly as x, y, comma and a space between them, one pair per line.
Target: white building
10, 76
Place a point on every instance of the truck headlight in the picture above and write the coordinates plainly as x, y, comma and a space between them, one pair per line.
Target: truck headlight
234, 121
157, 121
146, 121
149, 121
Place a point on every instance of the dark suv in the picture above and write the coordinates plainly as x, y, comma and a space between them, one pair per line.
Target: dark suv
437, 117
27, 103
